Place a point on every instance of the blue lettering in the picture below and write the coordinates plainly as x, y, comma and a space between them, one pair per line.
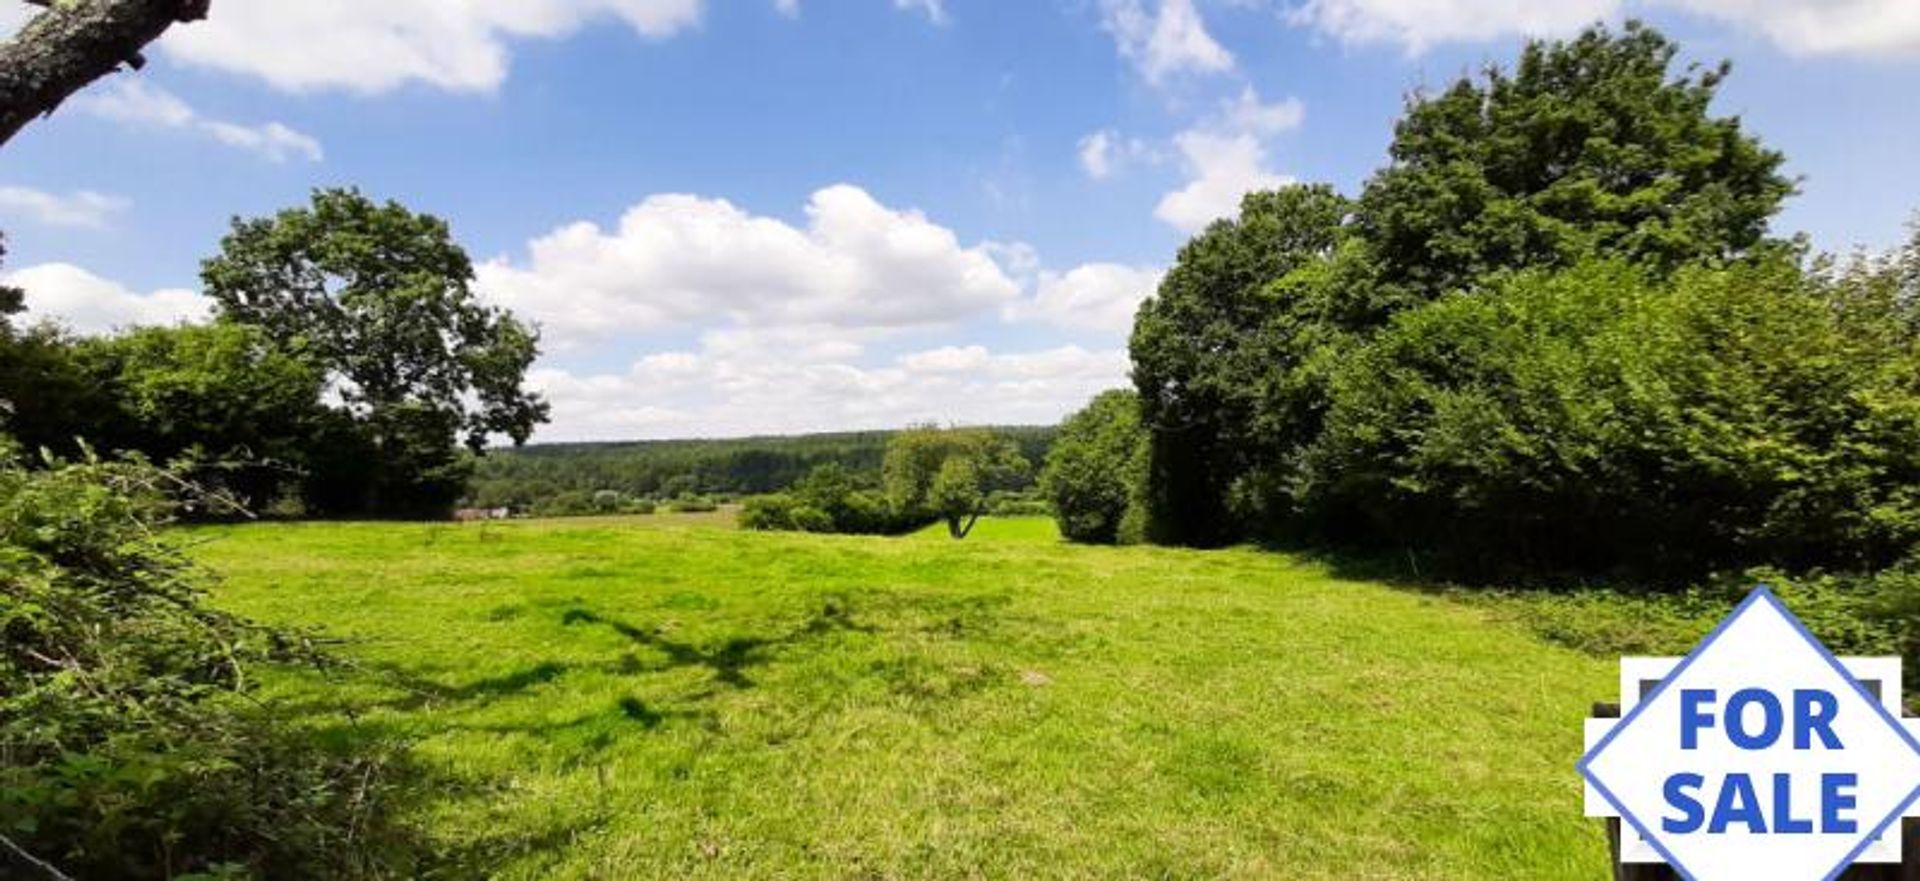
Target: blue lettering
1737, 804
1692, 718
1833, 800
1813, 711
1690, 811
1770, 716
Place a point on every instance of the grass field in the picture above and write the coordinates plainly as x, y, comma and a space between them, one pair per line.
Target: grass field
662, 697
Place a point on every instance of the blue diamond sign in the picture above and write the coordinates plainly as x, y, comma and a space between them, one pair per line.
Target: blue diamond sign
1759, 755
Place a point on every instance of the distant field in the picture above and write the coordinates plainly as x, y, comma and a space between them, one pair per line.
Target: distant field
657, 697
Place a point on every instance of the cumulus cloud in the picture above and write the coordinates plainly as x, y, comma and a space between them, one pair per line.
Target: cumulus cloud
1167, 40
676, 259
89, 304
1419, 24
1824, 27
1225, 157
1220, 170
137, 102
1094, 297
1803, 27
301, 45
750, 384
81, 209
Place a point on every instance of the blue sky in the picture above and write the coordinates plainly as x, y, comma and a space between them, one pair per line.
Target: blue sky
737, 216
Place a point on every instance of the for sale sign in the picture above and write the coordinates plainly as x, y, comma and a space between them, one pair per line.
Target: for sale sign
1759, 755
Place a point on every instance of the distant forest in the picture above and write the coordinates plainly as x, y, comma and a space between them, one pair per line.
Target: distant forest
536, 476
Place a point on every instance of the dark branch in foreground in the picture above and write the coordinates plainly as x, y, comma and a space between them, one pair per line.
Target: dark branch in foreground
75, 42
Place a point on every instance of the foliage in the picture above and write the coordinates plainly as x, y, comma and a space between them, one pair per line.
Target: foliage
132, 746
828, 499
380, 299
1217, 344
221, 395
663, 469
931, 473
1600, 419
1589, 147
1096, 471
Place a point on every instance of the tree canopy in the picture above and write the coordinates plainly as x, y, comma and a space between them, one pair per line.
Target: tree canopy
948, 474
380, 299
1589, 148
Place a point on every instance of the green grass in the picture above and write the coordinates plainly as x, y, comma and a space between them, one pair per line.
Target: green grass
657, 697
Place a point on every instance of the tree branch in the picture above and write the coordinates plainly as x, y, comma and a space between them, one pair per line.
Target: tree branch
73, 43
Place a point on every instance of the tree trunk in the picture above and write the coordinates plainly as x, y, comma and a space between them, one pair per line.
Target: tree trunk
958, 531
73, 43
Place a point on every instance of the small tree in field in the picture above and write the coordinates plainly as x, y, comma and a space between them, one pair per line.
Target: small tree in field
1096, 471
948, 474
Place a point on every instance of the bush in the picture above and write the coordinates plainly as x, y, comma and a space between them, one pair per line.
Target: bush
1096, 471
690, 504
606, 501
808, 518
1595, 420
132, 747
768, 513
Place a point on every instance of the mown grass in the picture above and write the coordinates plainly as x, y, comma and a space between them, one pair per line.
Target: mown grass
656, 697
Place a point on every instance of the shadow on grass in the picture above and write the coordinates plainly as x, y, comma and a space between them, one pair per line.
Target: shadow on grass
729, 660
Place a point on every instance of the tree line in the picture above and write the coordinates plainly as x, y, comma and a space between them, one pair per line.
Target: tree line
566, 478
1551, 338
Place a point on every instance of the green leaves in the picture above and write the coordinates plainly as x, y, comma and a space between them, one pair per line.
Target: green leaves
379, 299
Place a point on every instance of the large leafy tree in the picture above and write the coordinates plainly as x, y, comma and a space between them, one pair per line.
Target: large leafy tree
1592, 146
381, 299
1214, 342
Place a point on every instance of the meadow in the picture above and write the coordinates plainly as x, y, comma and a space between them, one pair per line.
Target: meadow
664, 696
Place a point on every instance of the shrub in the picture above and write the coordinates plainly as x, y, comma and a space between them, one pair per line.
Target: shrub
691, 504
606, 501
1096, 470
1596, 420
808, 518
768, 513
132, 747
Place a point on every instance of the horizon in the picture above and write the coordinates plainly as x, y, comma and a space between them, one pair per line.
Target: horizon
786, 217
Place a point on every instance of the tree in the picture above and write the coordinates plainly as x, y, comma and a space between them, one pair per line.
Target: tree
380, 298
947, 474
1606, 418
1095, 472
1591, 146
74, 43
47, 401
1213, 342
221, 394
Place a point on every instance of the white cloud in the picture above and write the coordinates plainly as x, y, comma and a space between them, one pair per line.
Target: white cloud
136, 102
788, 8
1419, 24
1225, 157
1247, 113
1823, 27
83, 209
934, 10
947, 359
1220, 170
751, 383
90, 304
1802, 27
1171, 39
1095, 297
678, 259
369, 47
1106, 153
